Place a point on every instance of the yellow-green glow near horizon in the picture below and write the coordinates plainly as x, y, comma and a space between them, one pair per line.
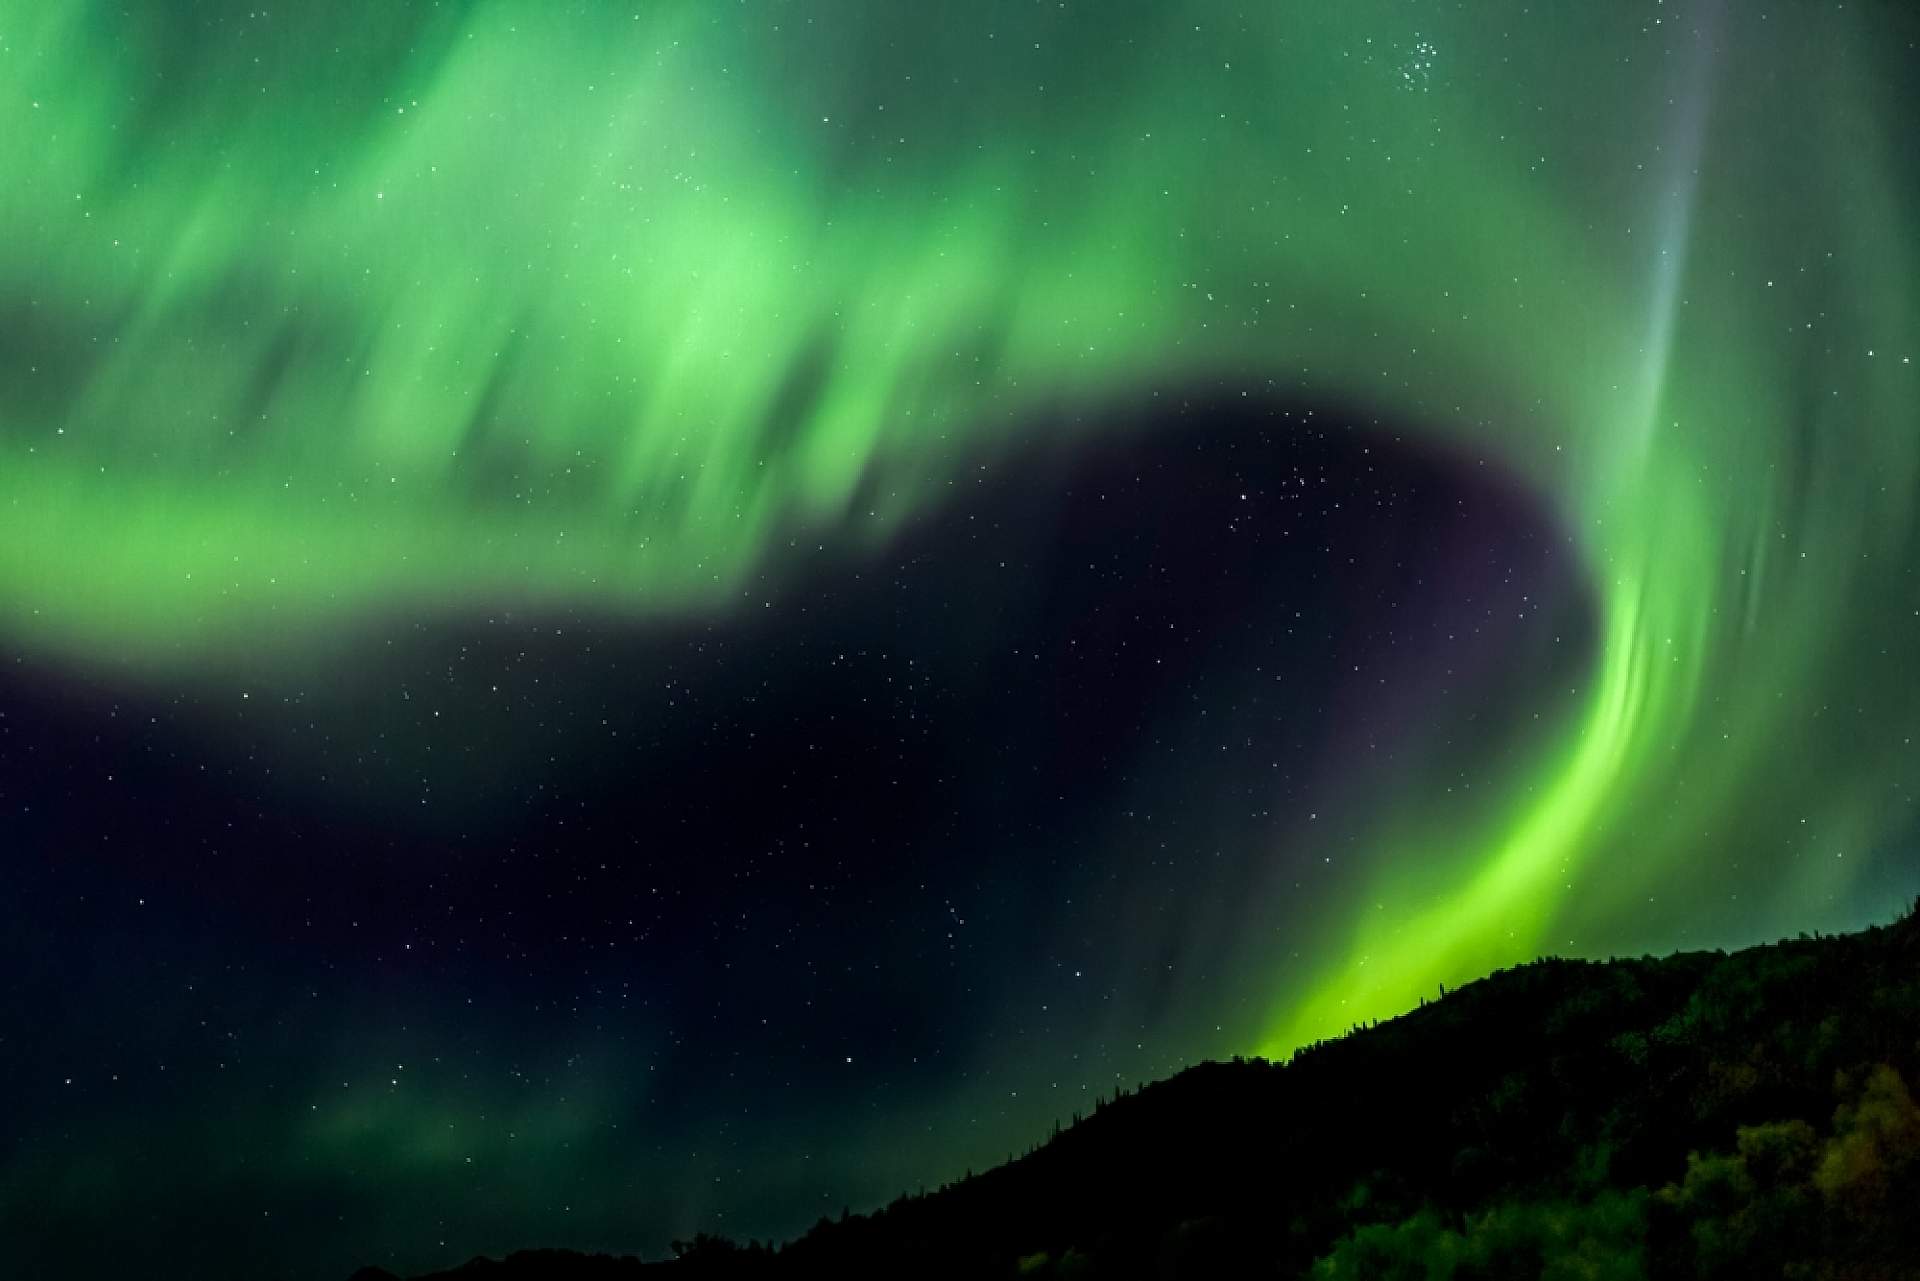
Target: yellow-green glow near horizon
311, 318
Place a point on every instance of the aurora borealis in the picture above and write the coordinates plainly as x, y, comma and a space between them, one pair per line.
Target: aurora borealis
624, 620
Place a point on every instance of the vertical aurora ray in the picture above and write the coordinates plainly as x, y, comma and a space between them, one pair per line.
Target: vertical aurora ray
1504, 906
311, 318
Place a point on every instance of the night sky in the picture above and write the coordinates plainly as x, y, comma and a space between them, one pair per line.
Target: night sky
627, 620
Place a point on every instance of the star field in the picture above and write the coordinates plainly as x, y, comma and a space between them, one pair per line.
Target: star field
622, 621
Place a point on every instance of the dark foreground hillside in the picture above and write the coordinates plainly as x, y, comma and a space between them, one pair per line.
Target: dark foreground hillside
1703, 1115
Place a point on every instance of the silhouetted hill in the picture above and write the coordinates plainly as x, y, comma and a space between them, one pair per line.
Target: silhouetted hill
1700, 1115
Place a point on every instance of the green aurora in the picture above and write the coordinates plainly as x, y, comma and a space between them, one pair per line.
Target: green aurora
312, 317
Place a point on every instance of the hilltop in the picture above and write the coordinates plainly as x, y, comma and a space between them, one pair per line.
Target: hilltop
1704, 1114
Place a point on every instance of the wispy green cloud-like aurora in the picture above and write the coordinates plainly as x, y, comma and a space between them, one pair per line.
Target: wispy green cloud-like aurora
308, 316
